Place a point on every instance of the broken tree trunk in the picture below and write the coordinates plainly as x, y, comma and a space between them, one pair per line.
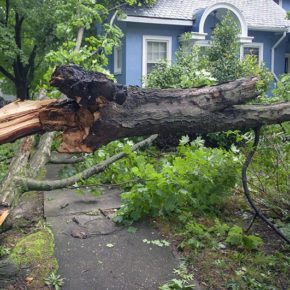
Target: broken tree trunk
99, 111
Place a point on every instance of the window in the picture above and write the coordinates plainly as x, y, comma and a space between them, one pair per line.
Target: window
117, 60
255, 49
155, 49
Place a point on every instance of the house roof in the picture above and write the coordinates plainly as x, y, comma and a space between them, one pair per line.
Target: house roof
259, 14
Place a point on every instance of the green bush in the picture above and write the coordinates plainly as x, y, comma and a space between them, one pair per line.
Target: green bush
237, 238
224, 50
196, 179
188, 71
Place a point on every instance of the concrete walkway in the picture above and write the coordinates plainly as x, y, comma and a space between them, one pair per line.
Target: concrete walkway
94, 253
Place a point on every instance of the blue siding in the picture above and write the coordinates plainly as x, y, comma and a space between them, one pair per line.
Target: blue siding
198, 15
134, 46
288, 44
121, 78
286, 5
269, 39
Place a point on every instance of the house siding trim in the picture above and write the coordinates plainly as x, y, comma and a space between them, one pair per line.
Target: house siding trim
152, 20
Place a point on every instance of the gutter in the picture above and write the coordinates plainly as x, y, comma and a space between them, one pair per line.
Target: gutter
273, 54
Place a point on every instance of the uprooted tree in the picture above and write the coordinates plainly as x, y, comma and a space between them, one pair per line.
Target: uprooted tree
98, 111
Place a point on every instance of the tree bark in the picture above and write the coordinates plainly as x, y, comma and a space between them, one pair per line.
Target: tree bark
99, 111
17, 167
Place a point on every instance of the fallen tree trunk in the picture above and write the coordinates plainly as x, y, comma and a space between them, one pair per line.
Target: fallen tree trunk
99, 111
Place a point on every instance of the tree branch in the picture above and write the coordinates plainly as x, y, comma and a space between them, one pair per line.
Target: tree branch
18, 23
32, 184
7, 8
29, 68
79, 39
7, 74
99, 111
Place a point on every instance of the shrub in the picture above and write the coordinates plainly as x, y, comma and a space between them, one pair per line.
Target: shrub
189, 71
224, 50
237, 238
195, 179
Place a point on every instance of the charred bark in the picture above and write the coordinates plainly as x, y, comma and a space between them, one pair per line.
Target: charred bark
99, 111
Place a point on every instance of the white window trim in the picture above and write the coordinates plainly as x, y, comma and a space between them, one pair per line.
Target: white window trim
117, 70
259, 45
156, 38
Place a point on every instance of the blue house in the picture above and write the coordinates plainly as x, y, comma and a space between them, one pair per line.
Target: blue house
153, 33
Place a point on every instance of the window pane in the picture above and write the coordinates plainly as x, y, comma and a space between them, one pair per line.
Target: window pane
156, 51
150, 67
119, 58
255, 51
149, 51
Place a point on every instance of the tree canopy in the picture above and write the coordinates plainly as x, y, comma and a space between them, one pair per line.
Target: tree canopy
39, 34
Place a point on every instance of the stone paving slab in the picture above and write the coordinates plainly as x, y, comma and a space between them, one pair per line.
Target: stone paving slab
111, 258
64, 202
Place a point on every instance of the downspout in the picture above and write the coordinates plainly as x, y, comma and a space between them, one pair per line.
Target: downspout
273, 54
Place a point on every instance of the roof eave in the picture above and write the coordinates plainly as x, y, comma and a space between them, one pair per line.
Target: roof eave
268, 28
155, 20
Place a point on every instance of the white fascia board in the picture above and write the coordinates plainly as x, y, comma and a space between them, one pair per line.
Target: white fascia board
268, 29
151, 20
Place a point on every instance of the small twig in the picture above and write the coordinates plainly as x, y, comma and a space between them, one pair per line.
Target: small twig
247, 192
252, 222
6, 159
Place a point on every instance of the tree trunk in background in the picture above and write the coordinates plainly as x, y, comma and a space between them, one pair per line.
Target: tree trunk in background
22, 90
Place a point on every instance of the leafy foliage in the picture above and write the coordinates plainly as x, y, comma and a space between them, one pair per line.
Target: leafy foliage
195, 179
54, 280
237, 238
6, 154
36, 30
224, 49
282, 89
269, 171
4, 251
218, 63
188, 71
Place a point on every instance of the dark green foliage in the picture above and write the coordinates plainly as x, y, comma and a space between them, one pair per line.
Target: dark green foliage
196, 179
37, 35
237, 238
269, 171
7, 152
224, 50
188, 71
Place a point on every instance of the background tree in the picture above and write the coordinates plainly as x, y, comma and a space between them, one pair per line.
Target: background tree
31, 29
27, 30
